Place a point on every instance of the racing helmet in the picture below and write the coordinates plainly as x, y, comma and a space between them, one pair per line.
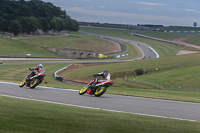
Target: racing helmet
105, 73
40, 66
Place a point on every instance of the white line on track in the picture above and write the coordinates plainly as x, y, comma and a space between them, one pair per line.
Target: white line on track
1, 82
87, 106
9, 83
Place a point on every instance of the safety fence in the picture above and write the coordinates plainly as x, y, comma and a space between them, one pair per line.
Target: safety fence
164, 87
119, 56
175, 31
62, 79
158, 39
131, 77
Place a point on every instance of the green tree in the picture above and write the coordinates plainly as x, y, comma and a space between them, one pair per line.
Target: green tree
3, 24
33, 24
53, 24
25, 22
57, 24
15, 27
67, 23
43, 24
73, 25
34, 14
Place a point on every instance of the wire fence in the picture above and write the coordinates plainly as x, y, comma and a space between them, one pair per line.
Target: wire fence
181, 88
190, 62
169, 87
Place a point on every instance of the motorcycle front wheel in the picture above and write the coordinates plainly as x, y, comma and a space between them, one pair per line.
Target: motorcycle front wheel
22, 83
34, 83
83, 90
100, 91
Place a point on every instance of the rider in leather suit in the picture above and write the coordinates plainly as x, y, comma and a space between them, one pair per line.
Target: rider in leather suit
40, 70
105, 76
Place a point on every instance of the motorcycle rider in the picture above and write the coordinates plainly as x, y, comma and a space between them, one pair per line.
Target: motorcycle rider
105, 76
40, 70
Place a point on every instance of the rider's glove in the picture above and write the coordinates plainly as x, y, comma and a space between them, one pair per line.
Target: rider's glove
31, 69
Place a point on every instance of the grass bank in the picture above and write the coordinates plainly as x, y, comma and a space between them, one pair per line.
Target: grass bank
72, 41
181, 71
16, 48
120, 69
24, 116
194, 40
35, 45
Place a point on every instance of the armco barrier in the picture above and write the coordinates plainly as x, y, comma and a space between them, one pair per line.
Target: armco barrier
174, 31
118, 56
59, 77
158, 39
62, 79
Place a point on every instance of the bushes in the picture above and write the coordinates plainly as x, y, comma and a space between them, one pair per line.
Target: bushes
139, 72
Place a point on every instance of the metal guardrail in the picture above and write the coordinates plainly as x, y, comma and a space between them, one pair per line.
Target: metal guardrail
62, 79
158, 39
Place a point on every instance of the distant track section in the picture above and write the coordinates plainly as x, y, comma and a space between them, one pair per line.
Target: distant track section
157, 39
148, 52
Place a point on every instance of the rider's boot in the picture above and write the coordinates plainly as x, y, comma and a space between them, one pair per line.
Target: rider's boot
28, 79
94, 83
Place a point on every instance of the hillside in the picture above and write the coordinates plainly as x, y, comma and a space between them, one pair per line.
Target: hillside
20, 16
37, 45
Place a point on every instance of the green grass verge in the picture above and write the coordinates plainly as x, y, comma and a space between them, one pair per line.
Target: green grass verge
133, 53
194, 40
120, 69
181, 77
181, 71
34, 45
22, 116
79, 42
15, 48
17, 60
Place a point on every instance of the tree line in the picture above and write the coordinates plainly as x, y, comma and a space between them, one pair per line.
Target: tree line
108, 25
122, 26
20, 16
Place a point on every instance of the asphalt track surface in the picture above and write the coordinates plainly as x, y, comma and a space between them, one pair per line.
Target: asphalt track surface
116, 103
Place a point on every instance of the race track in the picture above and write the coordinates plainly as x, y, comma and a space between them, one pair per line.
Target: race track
117, 103
147, 53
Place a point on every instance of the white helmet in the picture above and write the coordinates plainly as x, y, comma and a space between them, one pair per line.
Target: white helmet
40, 66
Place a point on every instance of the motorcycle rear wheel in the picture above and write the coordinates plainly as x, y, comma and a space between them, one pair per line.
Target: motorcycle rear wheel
83, 90
34, 83
100, 91
22, 83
